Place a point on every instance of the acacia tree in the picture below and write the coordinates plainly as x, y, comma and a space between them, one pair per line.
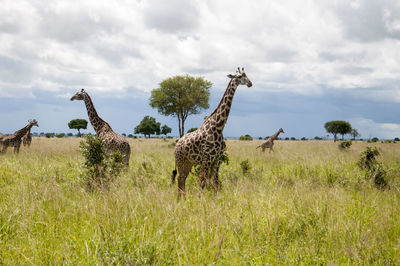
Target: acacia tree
181, 96
338, 127
354, 133
165, 130
78, 124
148, 126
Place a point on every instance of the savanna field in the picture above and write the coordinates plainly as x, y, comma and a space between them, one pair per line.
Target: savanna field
306, 203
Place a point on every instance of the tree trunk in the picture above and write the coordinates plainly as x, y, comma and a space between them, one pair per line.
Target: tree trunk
180, 127
183, 127
79, 133
334, 138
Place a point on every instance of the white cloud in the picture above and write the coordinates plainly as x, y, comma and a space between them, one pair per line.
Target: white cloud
369, 128
123, 49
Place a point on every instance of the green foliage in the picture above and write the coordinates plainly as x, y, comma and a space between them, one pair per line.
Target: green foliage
100, 168
246, 166
148, 126
373, 169
78, 124
165, 130
192, 129
354, 133
181, 96
60, 135
49, 135
225, 157
338, 127
245, 137
345, 144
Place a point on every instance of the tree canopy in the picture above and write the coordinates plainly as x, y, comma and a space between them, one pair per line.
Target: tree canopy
354, 133
338, 127
78, 124
165, 130
181, 96
148, 126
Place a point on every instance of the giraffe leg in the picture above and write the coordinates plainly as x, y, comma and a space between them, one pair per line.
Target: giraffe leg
16, 147
204, 174
183, 170
216, 183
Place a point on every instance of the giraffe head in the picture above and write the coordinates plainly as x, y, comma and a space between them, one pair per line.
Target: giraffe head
281, 130
80, 95
33, 122
241, 78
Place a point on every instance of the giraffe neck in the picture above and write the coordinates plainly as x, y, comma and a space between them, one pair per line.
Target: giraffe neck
220, 115
273, 137
99, 125
22, 132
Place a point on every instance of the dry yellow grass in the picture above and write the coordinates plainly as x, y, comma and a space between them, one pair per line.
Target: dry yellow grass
306, 203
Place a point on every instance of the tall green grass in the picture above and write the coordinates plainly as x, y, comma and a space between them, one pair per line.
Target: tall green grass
306, 203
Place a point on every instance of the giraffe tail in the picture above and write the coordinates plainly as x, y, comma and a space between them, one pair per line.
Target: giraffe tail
174, 173
258, 147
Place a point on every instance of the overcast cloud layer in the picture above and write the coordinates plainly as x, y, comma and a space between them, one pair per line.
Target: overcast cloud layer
309, 61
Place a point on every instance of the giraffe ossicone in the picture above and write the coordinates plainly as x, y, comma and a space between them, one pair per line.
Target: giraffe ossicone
112, 141
205, 146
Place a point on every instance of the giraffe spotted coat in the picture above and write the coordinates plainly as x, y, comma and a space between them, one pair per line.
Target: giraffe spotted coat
205, 146
112, 141
14, 140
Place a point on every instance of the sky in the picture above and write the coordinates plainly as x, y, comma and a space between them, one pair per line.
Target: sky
309, 61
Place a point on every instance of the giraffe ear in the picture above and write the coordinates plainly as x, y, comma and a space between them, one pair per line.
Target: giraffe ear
231, 76
82, 90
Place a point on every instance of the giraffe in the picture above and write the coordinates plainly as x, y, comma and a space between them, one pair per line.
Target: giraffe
112, 140
14, 140
269, 143
27, 139
205, 146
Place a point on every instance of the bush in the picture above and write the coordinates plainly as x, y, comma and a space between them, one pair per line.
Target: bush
49, 135
245, 137
374, 139
60, 135
396, 139
225, 157
373, 169
345, 144
368, 158
245, 165
303, 138
100, 168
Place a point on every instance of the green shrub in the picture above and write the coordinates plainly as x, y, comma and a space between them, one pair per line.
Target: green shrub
245, 165
49, 135
345, 144
225, 157
60, 135
100, 168
373, 169
245, 137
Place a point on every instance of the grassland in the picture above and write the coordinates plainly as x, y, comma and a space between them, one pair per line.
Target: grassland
307, 203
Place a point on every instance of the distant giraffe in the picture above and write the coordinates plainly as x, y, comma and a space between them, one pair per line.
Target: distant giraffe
205, 146
14, 140
269, 143
27, 139
112, 140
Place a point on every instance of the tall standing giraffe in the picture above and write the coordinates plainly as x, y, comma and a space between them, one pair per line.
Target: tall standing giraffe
27, 139
205, 146
112, 140
269, 143
14, 140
